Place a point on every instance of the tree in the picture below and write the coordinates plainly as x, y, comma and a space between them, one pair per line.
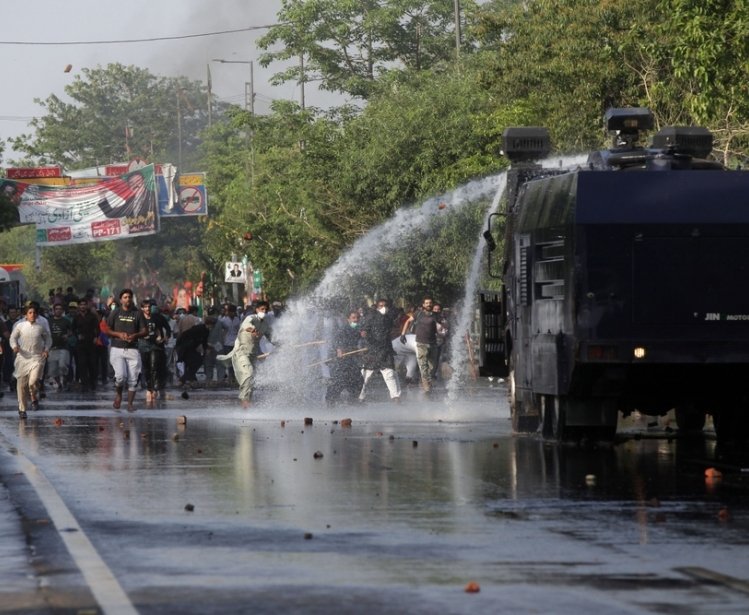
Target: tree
710, 59
271, 195
90, 130
563, 60
419, 135
116, 113
348, 44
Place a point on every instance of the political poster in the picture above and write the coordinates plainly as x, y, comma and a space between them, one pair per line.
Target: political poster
234, 273
110, 208
192, 198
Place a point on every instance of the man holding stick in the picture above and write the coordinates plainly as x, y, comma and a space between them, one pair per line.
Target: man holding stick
379, 355
345, 373
246, 349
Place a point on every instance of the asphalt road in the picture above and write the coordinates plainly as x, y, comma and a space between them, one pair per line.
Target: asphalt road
233, 511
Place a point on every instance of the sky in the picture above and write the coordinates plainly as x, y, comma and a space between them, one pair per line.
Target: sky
37, 70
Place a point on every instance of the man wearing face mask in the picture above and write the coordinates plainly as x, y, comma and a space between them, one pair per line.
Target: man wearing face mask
345, 374
375, 331
246, 350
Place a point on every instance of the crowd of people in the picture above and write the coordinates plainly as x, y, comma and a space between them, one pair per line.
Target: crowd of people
367, 343
80, 344
76, 343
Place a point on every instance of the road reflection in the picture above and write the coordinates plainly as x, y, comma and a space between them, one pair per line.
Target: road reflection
376, 469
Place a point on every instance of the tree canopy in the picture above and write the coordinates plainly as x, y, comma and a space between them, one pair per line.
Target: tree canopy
346, 45
294, 188
117, 113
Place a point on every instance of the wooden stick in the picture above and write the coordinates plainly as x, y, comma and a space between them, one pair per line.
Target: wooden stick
345, 354
471, 358
316, 342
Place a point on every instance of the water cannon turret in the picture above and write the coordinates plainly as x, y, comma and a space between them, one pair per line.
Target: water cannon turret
526, 144
693, 141
627, 124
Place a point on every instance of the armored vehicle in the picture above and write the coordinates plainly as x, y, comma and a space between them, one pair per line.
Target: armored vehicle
625, 284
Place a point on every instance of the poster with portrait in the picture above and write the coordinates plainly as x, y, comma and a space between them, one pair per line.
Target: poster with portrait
111, 208
234, 273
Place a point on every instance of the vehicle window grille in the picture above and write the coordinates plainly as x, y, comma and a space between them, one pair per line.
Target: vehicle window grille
524, 275
549, 268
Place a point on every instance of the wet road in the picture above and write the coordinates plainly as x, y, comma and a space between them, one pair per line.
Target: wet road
238, 511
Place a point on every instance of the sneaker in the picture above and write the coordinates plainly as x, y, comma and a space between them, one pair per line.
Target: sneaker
35, 404
395, 400
22, 415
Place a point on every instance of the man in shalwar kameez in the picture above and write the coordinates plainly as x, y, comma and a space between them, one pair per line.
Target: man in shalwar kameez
246, 350
31, 342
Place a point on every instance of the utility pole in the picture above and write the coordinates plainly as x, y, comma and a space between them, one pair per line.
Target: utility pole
179, 131
210, 102
249, 86
301, 79
128, 134
249, 91
457, 30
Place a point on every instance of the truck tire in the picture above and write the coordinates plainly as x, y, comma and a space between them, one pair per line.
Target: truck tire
689, 419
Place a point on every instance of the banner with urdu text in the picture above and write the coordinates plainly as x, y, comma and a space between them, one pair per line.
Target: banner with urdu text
111, 208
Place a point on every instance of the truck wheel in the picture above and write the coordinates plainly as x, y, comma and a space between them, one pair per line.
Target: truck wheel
731, 426
689, 418
553, 426
511, 389
595, 419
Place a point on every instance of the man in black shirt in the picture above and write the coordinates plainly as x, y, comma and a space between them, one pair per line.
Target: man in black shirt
152, 350
190, 349
379, 356
125, 325
59, 355
345, 374
86, 330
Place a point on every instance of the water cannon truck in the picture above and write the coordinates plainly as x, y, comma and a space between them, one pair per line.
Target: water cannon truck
625, 284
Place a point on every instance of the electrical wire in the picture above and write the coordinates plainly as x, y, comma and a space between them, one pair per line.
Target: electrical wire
140, 40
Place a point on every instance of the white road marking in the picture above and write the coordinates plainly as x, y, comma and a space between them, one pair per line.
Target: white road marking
104, 586
705, 574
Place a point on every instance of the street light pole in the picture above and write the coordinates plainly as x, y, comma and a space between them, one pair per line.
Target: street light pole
249, 87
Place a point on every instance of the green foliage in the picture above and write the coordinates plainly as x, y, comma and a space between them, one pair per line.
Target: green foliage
293, 189
348, 44
563, 59
417, 137
91, 129
710, 59
277, 191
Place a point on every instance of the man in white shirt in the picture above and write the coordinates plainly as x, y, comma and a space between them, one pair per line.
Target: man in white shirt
30, 342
